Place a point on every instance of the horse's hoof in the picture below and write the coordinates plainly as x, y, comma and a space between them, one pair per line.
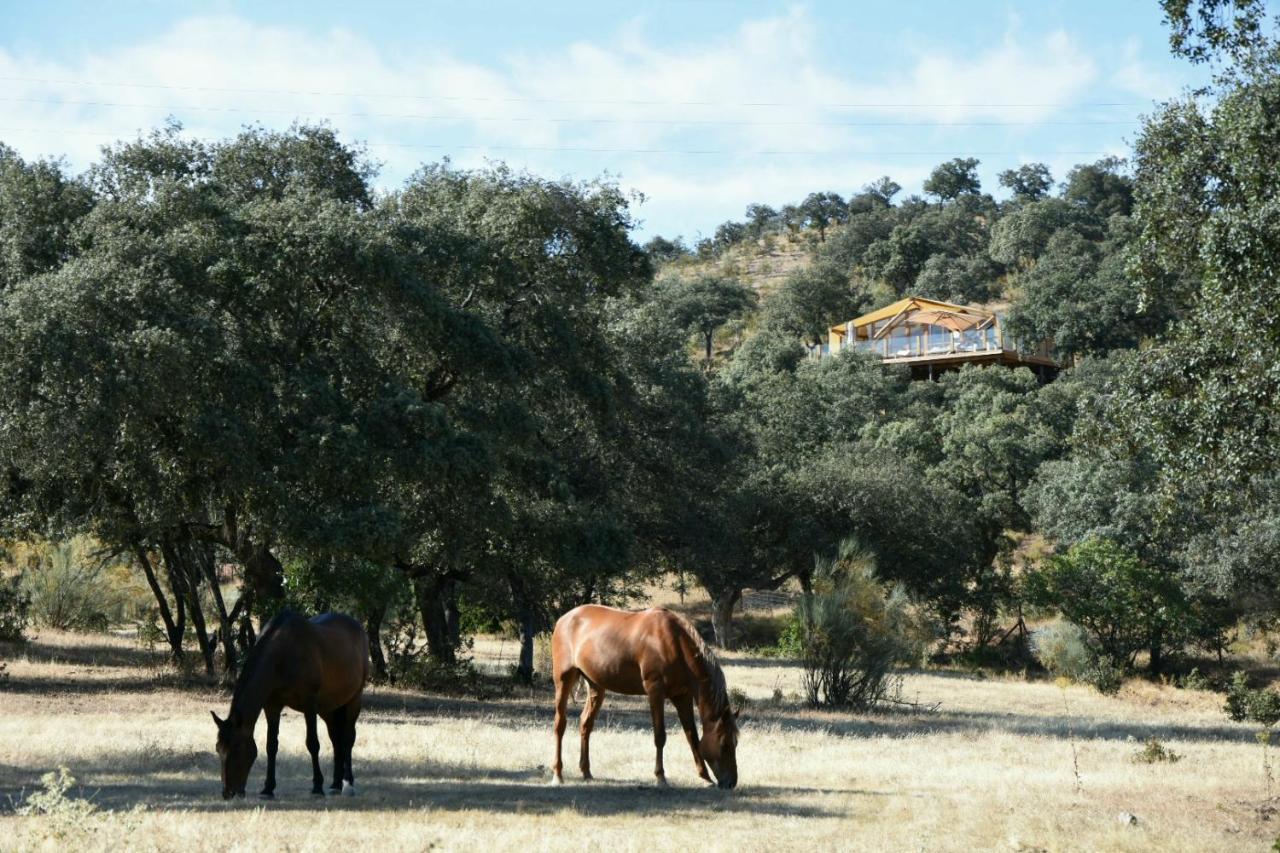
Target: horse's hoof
586, 776
318, 794
266, 795
662, 782
556, 781
349, 790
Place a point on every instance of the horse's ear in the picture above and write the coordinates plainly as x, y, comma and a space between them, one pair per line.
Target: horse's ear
216, 721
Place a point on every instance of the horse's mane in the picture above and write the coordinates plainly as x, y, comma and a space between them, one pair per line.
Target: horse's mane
258, 652
719, 693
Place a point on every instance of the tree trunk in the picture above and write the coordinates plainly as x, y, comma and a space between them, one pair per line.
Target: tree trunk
1157, 656
710, 338
185, 581
806, 595
430, 594
173, 630
722, 604
528, 628
373, 627
203, 555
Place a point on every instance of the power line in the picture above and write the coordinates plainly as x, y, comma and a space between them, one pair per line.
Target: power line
546, 100
172, 109
604, 150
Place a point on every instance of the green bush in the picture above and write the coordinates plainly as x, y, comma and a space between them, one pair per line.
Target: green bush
1062, 649
854, 629
15, 612
1104, 675
1123, 605
1154, 752
1245, 703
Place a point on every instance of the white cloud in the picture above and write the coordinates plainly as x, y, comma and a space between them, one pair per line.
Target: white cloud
759, 87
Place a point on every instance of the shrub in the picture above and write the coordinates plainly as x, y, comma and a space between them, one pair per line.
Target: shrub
854, 630
1154, 752
1123, 605
1244, 703
70, 588
1195, 680
1061, 649
1104, 675
15, 612
66, 819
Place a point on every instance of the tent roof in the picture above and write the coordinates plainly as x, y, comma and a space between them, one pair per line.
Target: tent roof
933, 309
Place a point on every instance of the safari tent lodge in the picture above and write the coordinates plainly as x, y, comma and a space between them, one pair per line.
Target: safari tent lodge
931, 337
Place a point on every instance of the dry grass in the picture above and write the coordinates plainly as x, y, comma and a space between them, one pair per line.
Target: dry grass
991, 769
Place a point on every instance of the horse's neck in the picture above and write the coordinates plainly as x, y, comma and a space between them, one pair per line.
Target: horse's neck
703, 677
251, 693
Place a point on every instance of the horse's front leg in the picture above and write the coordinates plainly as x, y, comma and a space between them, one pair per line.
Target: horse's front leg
684, 707
656, 710
273, 745
313, 747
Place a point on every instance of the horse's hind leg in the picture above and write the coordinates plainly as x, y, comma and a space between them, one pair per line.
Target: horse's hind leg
313, 747
684, 707
589, 712
353, 712
336, 722
656, 700
565, 682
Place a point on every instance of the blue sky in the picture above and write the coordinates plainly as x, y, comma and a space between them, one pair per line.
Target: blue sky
703, 106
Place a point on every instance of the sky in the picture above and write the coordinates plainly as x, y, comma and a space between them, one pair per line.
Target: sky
702, 106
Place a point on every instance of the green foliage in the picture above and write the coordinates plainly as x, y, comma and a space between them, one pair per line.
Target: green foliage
15, 611
704, 304
1256, 705
855, 631
953, 179
1104, 675
812, 300
1154, 752
1101, 188
1122, 604
1028, 182
1205, 30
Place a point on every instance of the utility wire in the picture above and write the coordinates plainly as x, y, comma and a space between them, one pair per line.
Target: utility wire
570, 120
544, 100
602, 150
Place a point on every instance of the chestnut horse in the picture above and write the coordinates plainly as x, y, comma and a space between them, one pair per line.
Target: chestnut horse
317, 666
656, 653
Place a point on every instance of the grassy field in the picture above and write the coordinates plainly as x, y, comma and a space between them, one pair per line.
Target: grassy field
1000, 765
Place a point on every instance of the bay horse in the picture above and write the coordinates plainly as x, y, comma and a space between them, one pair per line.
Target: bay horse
318, 666
655, 653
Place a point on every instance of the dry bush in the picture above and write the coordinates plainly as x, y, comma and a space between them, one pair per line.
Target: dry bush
855, 629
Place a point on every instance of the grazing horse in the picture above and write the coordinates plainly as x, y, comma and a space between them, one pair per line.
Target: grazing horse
656, 653
317, 666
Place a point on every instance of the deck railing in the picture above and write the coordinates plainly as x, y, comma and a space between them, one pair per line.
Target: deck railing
916, 346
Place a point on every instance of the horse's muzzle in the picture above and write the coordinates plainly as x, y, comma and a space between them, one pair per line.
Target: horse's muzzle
727, 784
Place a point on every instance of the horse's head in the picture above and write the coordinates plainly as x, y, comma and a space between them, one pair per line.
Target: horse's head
719, 746
237, 751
